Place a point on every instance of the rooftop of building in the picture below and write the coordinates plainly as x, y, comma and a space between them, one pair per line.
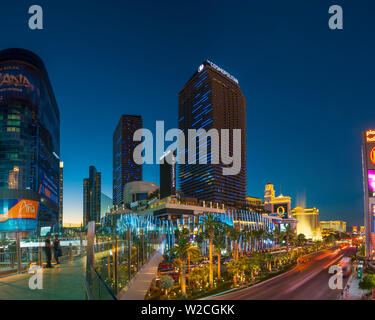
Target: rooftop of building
305, 210
29, 57
213, 67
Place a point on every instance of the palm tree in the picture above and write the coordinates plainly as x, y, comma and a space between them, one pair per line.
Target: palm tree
211, 224
261, 233
254, 237
254, 267
247, 234
270, 236
234, 236
219, 244
200, 240
269, 259
277, 236
181, 250
288, 234
234, 268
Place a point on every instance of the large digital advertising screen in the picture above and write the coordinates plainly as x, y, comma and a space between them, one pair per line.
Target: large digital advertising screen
18, 214
371, 183
18, 81
48, 187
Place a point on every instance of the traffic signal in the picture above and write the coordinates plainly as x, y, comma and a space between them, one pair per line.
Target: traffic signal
359, 273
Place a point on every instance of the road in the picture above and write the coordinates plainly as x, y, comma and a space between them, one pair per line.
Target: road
308, 281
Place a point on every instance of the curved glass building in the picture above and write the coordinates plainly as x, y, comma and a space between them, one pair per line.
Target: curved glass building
29, 144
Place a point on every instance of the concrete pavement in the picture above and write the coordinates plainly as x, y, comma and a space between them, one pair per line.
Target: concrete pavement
352, 290
59, 283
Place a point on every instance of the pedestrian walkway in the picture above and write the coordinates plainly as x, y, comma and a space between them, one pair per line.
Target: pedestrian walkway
352, 290
59, 283
141, 282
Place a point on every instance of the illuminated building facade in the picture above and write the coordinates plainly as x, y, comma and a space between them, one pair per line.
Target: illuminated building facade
338, 226
92, 196
168, 175
362, 230
61, 191
124, 168
368, 166
105, 204
29, 144
280, 205
136, 194
255, 204
355, 229
308, 222
212, 99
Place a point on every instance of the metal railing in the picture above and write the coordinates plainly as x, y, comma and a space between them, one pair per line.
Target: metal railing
95, 286
15, 257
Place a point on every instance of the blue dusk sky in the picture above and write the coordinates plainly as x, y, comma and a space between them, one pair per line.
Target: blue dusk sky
309, 89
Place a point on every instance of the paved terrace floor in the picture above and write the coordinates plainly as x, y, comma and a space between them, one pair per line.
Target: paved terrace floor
60, 283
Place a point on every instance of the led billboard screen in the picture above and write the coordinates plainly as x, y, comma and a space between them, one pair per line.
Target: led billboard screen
18, 214
371, 183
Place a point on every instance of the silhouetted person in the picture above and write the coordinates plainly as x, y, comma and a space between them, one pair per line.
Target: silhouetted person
47, 251
57, 249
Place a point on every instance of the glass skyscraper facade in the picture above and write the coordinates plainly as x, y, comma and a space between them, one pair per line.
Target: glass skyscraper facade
92, 187
212, 99
29, 144
168, 175
124, 168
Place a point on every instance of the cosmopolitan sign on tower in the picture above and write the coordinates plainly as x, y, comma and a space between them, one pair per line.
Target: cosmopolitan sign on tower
221, 70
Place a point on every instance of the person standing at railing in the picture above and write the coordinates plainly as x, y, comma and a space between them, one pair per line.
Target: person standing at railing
57, 249
47, 251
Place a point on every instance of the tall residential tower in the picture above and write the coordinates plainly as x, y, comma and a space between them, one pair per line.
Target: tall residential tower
92, 196
124, 168
212, 99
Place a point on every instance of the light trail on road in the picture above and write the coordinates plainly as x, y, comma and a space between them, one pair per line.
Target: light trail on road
308, 281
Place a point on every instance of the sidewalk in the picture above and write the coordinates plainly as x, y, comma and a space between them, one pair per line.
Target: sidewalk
142, 280
60, 283
352, 290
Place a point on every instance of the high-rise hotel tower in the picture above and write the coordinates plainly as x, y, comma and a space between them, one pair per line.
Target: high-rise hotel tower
124, 167
29, 144
212, 99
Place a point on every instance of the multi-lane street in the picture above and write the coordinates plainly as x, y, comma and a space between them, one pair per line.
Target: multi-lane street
308, 281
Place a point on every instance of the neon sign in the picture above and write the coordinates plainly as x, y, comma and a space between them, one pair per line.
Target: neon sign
227, 74
11, 80
370, 135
